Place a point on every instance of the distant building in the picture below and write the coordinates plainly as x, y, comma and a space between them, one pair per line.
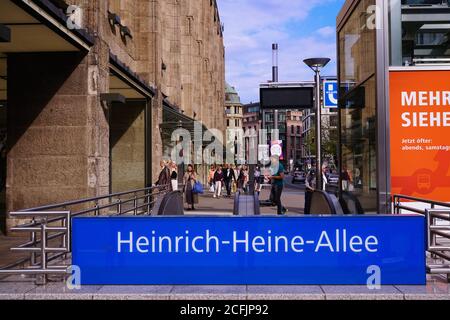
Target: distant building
288, 120
252, 117
329, 132
233, 108
294, 138
252, 121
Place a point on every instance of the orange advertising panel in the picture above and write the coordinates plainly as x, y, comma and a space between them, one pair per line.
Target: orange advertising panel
420, 134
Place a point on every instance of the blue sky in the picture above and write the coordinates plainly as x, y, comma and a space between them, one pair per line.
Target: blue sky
302, 28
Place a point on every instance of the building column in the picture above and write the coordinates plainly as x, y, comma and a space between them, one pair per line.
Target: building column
58, 134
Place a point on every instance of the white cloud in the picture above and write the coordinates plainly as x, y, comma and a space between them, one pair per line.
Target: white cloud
327, 31
251, 26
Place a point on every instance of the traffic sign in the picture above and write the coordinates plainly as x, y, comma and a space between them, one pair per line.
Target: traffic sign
330, 94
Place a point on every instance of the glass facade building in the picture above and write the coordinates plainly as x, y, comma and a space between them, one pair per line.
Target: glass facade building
357, 77
375, 36
419, 32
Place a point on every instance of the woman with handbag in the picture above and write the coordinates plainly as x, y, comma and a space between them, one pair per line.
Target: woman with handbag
189, 180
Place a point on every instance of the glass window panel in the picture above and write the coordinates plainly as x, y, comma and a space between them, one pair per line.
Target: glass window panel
419, 32
358, 107
358, 139
357, 47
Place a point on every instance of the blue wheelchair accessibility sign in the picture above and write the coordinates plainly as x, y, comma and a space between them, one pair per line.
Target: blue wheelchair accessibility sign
330, 94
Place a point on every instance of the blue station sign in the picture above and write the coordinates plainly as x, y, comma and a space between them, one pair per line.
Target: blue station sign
330, 94
346, 250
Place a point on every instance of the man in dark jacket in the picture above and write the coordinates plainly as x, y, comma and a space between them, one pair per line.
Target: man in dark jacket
164, 176
228, 178
310, 187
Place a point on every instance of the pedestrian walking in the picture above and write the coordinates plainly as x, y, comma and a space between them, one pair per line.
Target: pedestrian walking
218, 182
189, 180
229, 178
243, 179
234, 183
212, 171
310, 187
345, 177
325, 175
277, 180
237, 172
257, 175
246, 179
164, 175
174, 176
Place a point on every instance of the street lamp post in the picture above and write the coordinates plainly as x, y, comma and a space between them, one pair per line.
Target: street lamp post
316, 64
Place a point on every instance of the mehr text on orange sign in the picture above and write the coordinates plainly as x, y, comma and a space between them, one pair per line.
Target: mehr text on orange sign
420, 134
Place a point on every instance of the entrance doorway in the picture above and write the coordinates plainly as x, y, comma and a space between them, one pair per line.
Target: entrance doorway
127, 143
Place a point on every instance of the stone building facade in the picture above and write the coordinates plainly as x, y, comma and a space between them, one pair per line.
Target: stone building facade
233, 108
252, 123
252, 117
294, 138
69, 133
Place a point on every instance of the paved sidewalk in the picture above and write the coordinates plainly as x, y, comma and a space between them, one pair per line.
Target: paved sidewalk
18, 288
6, 243
292, 198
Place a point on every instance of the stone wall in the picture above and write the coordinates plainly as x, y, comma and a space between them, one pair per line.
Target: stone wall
177, 47
56, 141
59, 130
127, 142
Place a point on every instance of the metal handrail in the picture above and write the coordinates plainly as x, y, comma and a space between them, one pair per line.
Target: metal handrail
44, 228
119, 203
398, 206
80, 201
436, 232
39, 248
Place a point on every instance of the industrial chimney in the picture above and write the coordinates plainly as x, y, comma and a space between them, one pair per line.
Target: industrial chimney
275, 62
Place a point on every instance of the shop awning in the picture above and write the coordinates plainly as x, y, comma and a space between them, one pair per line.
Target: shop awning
39, 26
127, 83
173, 119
